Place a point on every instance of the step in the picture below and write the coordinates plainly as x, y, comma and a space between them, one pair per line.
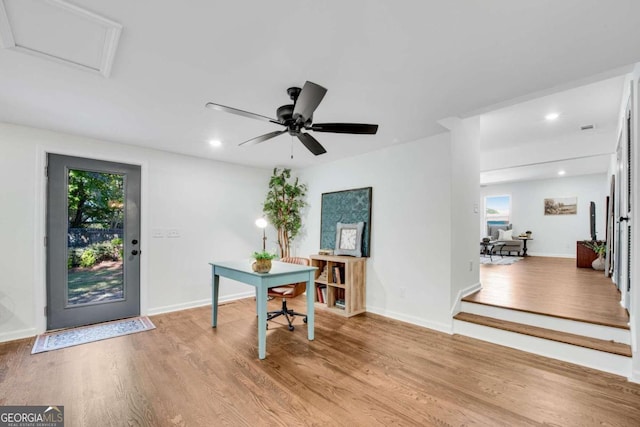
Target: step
548, 334
592, 330
607, 362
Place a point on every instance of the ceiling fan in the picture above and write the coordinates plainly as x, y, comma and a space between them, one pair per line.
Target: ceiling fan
298, 117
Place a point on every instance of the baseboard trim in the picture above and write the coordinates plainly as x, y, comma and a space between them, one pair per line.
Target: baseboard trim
197, 303
463, 293
437, 326
542, 254
18, 335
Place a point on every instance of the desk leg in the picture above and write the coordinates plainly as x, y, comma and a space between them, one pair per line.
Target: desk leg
261, 297
215, 286
524, 248
310, 306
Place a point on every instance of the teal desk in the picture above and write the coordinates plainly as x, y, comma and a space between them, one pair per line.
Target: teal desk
281, 274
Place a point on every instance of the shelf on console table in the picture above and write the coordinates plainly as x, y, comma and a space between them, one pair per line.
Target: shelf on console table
354, 287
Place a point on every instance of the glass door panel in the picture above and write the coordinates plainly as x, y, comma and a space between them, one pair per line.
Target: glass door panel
95, 204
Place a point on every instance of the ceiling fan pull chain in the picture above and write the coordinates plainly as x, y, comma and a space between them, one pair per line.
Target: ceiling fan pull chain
291, 147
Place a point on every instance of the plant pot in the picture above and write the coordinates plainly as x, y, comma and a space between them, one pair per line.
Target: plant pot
598, 263
261, 266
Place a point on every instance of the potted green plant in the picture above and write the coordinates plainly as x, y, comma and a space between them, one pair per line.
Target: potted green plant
262, 262
283, 206
600, 248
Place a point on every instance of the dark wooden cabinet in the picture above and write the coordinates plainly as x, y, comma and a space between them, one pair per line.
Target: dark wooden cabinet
584, 255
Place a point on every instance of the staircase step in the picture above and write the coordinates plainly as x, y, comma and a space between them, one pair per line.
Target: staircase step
549, 334
605, 333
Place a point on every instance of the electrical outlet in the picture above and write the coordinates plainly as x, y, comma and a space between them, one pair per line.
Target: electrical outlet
402, 291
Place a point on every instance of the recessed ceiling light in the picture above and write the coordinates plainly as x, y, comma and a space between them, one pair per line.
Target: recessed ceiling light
215, 143
551, 116
561, 172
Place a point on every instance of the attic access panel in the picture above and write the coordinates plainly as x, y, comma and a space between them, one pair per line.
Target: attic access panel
60, 32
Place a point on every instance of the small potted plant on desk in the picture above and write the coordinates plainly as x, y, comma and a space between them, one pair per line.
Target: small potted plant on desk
263, 261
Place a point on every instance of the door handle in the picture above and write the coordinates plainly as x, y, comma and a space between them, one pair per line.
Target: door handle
624, 218
135, 252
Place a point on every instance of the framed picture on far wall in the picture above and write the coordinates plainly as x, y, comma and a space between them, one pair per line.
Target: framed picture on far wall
561, 206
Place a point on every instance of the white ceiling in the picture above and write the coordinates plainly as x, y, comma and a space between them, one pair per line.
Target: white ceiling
595, 104
541, 148
404, 65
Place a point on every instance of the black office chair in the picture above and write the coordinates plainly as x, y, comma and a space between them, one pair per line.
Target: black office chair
288, 291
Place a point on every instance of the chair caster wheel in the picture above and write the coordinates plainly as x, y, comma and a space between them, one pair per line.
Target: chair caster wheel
291, 328
304, 320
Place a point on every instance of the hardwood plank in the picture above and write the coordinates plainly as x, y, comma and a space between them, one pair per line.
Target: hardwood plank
554, 287
365, 370
548, 334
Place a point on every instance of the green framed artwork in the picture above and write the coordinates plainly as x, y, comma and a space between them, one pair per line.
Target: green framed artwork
348, 207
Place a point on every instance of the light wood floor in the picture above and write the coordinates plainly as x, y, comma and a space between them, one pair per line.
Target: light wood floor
552, 286
362, 371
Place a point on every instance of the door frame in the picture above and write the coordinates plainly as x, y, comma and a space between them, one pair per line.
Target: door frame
625, 172
40, 221
62, 312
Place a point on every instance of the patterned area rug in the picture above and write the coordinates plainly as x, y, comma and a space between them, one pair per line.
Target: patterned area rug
102, 331
508, 260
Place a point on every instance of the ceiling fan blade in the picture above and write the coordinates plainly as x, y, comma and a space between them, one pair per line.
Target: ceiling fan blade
308, 100
311, 143
357, 128
243, 113
263, 138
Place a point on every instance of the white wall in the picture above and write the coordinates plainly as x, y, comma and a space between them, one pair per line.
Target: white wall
408, 273
212, 204
465, 206
554, 235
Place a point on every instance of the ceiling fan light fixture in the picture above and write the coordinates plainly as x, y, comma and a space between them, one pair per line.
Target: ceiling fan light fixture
297, 117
